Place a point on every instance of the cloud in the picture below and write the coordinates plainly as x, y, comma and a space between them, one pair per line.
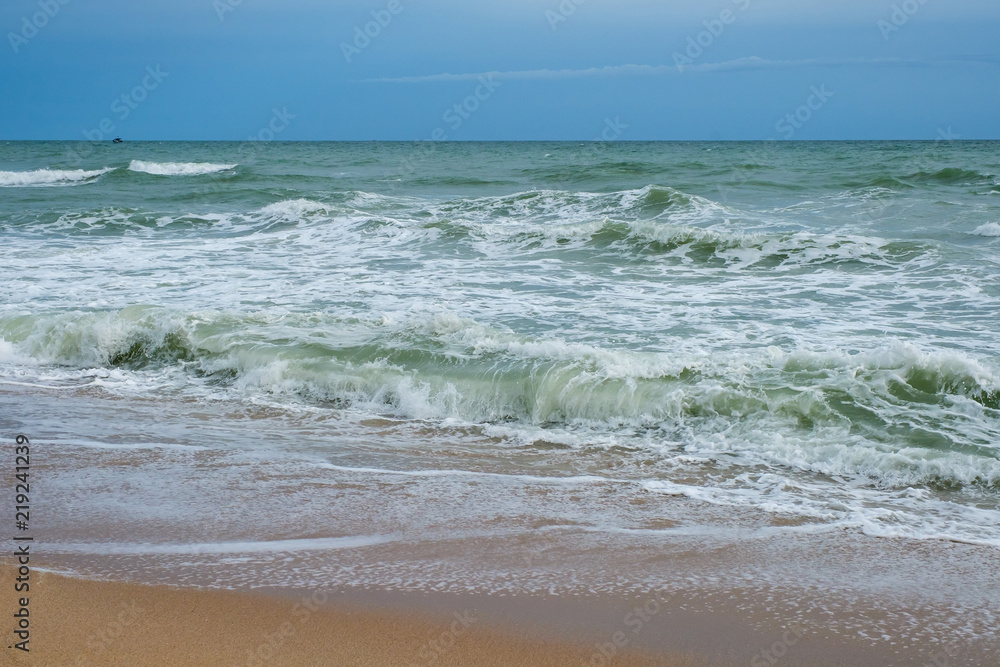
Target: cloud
751, 63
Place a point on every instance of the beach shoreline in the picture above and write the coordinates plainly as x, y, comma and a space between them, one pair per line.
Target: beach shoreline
85, 622
225, 529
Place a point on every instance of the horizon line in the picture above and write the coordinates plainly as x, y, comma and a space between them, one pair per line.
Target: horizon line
511, 141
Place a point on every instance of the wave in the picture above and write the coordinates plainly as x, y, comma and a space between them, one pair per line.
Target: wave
598, 171
49, 177
178, 168
889, 183
947, 176
113, 220
989, 229
457, 181
293, 208
541, 206
535, 208
951, 176
654, 222
897, 415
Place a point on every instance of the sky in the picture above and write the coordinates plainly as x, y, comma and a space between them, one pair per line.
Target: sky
500, 69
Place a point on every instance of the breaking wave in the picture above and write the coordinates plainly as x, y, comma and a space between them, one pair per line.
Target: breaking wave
178, 168
989, 229
49, 177
897, 415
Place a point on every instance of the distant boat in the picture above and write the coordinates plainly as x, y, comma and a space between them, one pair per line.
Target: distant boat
117, 140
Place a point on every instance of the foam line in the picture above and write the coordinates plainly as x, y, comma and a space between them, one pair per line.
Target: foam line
273, 546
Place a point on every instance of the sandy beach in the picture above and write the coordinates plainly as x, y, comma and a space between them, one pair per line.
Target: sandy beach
83, 622
78, 622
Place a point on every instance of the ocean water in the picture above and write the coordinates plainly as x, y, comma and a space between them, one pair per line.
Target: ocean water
637, 340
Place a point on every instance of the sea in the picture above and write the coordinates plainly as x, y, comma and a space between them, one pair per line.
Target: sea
569, 368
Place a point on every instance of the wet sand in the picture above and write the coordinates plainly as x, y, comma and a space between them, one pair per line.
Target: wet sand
79, 622
82, 622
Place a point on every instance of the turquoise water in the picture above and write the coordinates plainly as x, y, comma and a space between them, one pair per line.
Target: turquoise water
806, 330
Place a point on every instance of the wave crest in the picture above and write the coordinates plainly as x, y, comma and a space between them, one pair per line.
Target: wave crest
541, 206
989, 229
951, 176
178, 168
49, 177
898, 414
293, 208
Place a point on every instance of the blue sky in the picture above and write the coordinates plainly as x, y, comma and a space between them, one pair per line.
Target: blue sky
489, 70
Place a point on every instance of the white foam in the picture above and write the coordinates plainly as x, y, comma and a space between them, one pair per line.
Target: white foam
95, 444
178, 168
49, 177
7, 353
989, 229
33, 385
581, 385
567, 208
577, 479
273, 546
293, 208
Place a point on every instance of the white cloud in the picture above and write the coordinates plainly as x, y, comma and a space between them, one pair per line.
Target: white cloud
751, 63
